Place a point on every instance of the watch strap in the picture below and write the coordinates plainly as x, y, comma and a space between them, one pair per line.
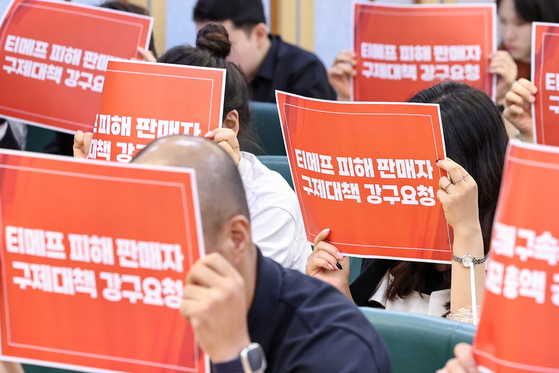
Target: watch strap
231, 366
474, 260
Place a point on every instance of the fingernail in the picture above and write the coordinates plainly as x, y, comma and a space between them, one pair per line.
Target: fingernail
533, 90
208, 134
340, 256
438, 160
339, 266
330, 266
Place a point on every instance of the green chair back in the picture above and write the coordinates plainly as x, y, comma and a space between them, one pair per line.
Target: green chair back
266, 123
418, 343
38, 369
279, 164
38, 138
354, 268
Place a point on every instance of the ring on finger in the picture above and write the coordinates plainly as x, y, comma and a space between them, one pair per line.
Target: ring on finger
447, 185
462, 178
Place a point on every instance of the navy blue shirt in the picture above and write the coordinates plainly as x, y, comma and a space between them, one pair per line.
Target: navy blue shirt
290, 69
306, 325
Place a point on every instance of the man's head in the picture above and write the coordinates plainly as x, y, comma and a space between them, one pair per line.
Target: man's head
246, 24
223, 205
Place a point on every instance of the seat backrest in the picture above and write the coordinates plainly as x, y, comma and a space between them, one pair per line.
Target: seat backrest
418, 343
278, 163
266, 123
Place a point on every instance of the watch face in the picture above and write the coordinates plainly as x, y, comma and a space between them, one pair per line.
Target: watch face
467, 261
256, 358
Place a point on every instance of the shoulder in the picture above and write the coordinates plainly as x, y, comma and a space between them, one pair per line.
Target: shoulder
298, 57
323, 318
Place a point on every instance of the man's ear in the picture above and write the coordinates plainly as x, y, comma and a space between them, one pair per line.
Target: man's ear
260, 33
232, 121
235, 239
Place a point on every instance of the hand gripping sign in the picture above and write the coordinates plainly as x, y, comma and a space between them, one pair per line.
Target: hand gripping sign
93, 263
518, 327
367, 171
54, 56
545, 75
404, 49
144, 101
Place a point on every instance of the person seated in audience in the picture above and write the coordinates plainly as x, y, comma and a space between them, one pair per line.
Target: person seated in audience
510, 63
476, 141
515, 25
268, 62
277, 222
234, 296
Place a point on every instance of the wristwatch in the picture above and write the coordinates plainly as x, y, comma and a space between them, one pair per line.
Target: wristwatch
467, 260
250, 360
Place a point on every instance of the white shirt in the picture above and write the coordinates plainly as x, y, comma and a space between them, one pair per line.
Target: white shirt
276, 219
432, 305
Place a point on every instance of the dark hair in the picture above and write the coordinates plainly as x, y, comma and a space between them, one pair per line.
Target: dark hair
536, 10
130, 8
212, 47
476, 138
243, 13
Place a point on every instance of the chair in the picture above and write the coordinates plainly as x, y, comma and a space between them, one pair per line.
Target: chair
418, 343
354, 268
279, 164
38, 369
266, 123
38, 138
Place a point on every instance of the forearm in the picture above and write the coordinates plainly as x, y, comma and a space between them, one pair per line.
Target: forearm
467, 241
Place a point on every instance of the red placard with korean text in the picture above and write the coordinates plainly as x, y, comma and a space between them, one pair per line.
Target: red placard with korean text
54, 56
368, 172
93, 261
404, 49
518, 326
545, 75
144, 101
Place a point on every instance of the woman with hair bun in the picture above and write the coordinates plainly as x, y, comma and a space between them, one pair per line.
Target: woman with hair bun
276, 219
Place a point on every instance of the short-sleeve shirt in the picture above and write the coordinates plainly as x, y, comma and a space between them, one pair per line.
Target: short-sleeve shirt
290, 69
306, 325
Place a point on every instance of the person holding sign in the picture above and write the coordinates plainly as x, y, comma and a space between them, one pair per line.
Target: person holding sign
239, 302
277, 223
476, 140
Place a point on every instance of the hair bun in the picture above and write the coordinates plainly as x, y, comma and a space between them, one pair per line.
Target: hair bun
214, 38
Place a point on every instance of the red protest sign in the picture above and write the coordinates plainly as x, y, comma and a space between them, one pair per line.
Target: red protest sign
143, 101
516, 331
54, 55
545, 75
367, 171
93, 262
402, 50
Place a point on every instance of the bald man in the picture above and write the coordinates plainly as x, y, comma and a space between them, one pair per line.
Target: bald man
246, 309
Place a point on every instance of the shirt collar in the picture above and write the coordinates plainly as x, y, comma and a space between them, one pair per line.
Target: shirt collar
268, 66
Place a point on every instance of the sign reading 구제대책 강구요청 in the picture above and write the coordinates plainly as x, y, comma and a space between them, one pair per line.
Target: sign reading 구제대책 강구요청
517, 331
88, 280
368, 172
403, 49
545, 75
53, 58
144, 101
